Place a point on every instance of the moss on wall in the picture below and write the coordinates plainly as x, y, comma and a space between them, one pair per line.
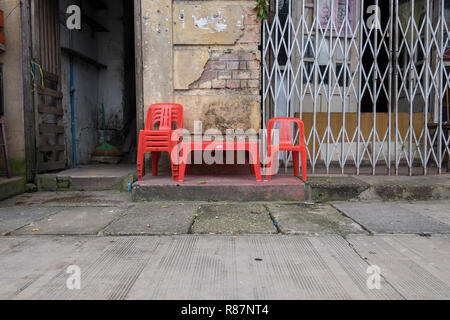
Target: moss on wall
18, 166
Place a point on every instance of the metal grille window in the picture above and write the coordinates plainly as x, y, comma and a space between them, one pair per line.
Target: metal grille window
368, 78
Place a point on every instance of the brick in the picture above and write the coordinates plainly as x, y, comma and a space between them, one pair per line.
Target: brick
244, 84
253, 28
250, 38
233, 65
219, 84
229, 57
242, 75
250, 19
208, 66
209, 75
218, 65
224, 75
216, 56
250, 11
255, 74
253, 83
204, 85
246, 56
253, 65
233, 84
243, 65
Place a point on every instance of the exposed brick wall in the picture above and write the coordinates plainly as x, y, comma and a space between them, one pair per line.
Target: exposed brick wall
218, 73
230, 70
252, 26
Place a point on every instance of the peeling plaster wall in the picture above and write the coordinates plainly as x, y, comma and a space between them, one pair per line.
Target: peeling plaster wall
204, 55
13, 85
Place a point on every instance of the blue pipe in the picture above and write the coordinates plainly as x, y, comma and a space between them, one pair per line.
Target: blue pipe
72, 110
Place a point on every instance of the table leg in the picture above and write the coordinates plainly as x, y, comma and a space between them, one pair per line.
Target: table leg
183, 165
256, 166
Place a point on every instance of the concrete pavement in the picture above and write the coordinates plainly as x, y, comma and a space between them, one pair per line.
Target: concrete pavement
204, 250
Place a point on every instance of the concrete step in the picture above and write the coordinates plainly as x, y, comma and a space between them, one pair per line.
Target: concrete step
385, 188
219, 188
90, 178
11, 187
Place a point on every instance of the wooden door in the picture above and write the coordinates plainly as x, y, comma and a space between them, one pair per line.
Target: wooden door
46, 70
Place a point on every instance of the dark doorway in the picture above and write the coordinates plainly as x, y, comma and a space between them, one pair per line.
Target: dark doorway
98, 71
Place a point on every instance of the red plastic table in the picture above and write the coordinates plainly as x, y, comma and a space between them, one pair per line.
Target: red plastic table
251, 146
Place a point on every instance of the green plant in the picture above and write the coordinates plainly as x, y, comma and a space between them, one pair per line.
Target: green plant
262, 9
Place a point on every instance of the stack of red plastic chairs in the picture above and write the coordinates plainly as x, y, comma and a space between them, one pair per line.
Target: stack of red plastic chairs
162, 121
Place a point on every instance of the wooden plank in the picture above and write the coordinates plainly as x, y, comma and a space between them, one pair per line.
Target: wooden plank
50, 128
140, 121
50, 92
51, 166
50, 76
49, 148
42, 108
83, 57
28, 105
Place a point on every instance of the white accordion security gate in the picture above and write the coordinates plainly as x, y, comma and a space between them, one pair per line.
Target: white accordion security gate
369, 79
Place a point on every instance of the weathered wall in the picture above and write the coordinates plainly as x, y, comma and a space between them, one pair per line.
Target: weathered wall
204, 55
13, 85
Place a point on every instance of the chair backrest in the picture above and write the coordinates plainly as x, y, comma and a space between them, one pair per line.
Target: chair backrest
286, 130
166, 114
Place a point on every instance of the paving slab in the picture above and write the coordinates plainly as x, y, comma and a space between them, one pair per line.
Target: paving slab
391, 218
418, 267
13, 218
73, 221
439, 210
233, 218
312, 219
186, 267
155, 219
71, 199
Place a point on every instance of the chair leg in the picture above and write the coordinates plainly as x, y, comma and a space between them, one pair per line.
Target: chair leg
269, 163
257, 166
272, 165
304, 158
183, 166
295, 155
155, 161
140, 159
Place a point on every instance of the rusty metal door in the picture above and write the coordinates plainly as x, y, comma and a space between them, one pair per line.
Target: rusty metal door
45, 68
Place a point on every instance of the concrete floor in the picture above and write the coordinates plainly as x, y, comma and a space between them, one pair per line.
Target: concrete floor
201, 250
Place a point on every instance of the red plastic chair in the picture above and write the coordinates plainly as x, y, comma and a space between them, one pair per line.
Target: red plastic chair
286, 144
162, 120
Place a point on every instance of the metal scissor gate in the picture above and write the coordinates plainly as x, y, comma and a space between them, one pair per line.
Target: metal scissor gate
370, 79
